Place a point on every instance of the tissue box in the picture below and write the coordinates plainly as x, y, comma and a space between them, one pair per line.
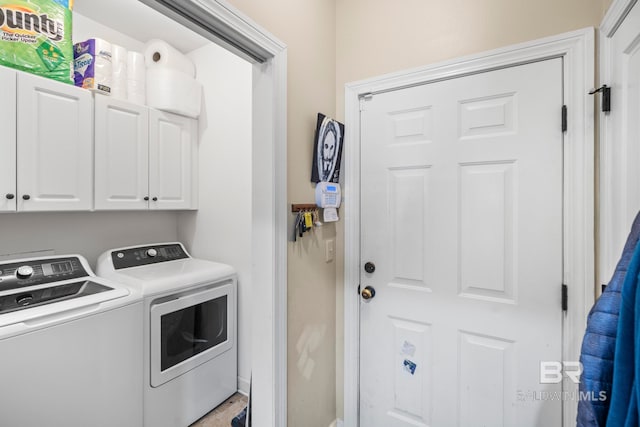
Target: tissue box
35, 36
93, 65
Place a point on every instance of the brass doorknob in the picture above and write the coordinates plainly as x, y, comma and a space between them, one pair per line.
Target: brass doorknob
368, 293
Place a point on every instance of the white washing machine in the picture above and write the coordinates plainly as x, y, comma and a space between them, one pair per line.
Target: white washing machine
70, 346
190, 345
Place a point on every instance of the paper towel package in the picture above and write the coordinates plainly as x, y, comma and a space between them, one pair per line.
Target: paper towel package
93, 65
160, 54
173, 91
119, 72
136, 78
35, 36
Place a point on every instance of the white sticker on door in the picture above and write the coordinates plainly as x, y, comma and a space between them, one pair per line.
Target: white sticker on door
408, 349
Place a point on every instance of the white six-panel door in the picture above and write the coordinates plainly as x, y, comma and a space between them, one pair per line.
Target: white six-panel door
461, 213
8, 140
55, 145
121, 154
173, 142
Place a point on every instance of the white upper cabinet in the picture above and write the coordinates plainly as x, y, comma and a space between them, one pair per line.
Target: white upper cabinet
8, 140
144, 158
172, 161
52, 134
54, 145
121, 154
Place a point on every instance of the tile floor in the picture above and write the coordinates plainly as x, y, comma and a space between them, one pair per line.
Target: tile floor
224, 413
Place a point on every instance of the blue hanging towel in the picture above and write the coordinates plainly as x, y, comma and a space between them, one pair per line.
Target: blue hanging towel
624, 397
599, 343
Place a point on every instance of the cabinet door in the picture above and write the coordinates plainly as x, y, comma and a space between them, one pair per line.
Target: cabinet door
172, 145
55, 145
8, 140
121, 154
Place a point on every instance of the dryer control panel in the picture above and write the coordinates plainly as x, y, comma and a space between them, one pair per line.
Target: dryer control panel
21, 274
145, 255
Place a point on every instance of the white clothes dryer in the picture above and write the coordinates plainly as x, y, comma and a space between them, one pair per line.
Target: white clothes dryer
190, 345
70, 346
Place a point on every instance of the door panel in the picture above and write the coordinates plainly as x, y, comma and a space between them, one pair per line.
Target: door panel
462, 215
487, 234
122, 154
55, 145
171, 152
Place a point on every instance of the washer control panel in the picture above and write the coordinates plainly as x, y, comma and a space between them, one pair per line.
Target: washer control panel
37, 272
145, 255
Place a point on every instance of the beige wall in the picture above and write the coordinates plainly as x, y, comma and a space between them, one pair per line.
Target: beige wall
375, 37
308, 29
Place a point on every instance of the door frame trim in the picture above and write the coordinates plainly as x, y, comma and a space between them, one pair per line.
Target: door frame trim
577, 48
615, 214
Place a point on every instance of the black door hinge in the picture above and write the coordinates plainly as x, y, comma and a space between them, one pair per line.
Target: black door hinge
564, 118
606, 97
565, 297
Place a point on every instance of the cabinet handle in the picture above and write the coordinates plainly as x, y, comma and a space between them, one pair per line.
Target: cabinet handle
155, 199
26, 197
10, 196
146, 198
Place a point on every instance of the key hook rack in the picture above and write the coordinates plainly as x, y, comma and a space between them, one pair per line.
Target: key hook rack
304, 207
306, 217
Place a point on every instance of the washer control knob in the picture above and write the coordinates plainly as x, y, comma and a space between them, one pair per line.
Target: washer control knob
152, 253
24, 272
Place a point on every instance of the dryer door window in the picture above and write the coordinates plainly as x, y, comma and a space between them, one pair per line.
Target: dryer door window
190, 329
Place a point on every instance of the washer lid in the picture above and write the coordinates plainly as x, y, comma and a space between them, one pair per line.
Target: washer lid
46, 290
21, 299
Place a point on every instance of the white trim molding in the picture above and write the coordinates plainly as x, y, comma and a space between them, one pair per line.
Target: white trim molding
617, 202
616, 13
577, 49
228, 27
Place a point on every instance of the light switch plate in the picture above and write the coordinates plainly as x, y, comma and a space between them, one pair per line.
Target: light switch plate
329, 250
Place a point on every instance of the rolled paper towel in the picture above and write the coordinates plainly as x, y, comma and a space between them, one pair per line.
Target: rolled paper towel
136, 77
93, 65
136, 69
119, 72
173, 91
136, 91
160, 54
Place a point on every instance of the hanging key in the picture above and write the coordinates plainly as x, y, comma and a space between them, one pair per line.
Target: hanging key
308, 220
